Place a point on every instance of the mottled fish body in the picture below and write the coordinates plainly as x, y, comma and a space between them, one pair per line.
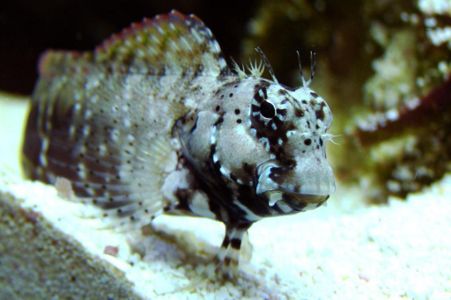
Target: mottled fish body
154, 121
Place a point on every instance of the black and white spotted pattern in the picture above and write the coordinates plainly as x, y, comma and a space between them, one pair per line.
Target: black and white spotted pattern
154, 121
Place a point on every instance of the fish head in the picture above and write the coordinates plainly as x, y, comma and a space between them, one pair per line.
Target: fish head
292, 125
268, 141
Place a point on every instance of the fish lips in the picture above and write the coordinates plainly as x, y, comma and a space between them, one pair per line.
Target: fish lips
301, 202
295, 200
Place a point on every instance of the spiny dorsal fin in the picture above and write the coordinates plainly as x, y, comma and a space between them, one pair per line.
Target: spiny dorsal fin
167, 44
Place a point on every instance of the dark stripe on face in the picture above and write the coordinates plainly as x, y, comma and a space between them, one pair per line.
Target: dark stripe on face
278, 175
258, 97
255, 108
272, 128
265, 92
262, 85
219, 121
282, 112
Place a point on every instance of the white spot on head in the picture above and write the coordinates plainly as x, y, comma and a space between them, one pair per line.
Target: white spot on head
290, 133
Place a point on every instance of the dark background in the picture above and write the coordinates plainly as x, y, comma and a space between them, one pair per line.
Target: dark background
27, 28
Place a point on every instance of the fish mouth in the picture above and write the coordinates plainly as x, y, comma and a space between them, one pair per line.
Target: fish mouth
304, 186
296, 201
300, 202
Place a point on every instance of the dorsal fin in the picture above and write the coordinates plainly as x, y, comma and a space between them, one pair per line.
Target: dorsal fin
167, 44
57, 62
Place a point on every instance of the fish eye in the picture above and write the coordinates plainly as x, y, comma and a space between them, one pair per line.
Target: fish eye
262, 108
267, 110
267, 116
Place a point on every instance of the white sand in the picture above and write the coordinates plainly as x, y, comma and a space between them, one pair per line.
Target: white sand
398, 251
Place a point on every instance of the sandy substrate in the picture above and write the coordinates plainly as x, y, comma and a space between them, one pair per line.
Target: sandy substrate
50, 247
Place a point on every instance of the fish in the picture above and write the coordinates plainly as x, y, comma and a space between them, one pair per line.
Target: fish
155, 121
